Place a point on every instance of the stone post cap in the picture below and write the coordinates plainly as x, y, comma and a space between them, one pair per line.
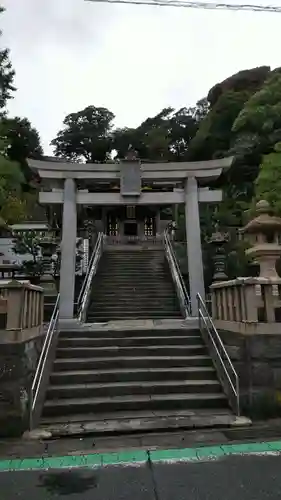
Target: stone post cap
13, 284
263, 221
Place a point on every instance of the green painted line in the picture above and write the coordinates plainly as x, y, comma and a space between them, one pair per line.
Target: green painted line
139, 457
214, 452
125, 457
74, 461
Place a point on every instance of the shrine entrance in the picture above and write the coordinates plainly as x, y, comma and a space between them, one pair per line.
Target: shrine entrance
131, 221
130, 210
130, 228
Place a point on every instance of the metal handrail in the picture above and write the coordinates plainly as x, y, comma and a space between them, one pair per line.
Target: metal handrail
40, 370
87, 273
227, 375
84, 295
177, 276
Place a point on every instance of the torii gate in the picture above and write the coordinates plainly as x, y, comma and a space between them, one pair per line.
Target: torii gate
61, 178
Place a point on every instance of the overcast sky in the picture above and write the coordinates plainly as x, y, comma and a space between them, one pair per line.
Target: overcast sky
134, 60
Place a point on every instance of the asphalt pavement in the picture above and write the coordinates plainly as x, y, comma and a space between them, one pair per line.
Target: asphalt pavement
221, 477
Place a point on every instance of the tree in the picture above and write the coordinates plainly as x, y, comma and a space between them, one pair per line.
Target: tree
6, 75
165, 136
22, 142
86, 136
32, 244
226, 100
12, 206
200, 111
182, 127
268, 182
257, 128
28, 243
255, 131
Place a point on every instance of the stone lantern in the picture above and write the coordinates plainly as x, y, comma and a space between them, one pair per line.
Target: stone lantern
218, 240
263, 233
48, 247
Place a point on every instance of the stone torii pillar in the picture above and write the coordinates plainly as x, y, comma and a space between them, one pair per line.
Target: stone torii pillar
193, 238
68, 251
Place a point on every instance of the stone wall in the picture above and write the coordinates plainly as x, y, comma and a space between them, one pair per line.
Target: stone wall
257, 360
18, 362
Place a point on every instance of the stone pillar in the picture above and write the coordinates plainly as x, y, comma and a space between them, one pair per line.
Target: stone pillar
157, 222
193, 237
68, 250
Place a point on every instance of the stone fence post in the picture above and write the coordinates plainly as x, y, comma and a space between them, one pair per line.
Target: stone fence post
21, 340
24, 309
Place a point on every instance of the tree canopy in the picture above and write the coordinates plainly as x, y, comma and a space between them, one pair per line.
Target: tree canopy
23, 141
268, 182
12, 207
85, 136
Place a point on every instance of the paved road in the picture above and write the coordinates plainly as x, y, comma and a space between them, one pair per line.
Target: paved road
224, 478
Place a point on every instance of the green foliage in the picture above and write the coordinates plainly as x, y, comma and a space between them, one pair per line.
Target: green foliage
214, 134
227, 99
166, 136
268, 183
258, 126
29, 243
86, 135
32, 244
249, 79
12, 207
22, 142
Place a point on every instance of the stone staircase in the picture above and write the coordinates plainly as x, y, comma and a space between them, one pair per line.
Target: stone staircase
132, 379
133, 283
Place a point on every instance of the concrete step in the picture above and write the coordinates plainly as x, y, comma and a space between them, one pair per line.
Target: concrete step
139, 280
122, 271
137, 402
142, 255
131, 333
96, 390
131, 290
135, 290
105, 318
143, 306
133, 375
133, 299
129, 301
131, 351
122, 423
145, 414
146, 268
133, 264
128, 341
122, 312
95, 363
139, 274
128, 280
139, 286
125, 310
120, 308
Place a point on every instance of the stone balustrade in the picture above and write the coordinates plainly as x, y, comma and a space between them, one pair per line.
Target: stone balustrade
247, 305
21, 310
